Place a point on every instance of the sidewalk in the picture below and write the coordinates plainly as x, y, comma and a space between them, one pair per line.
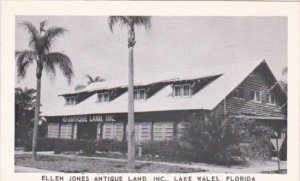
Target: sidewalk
32, 170
254, 166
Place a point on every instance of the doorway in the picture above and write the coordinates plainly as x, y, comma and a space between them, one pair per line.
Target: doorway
87, 131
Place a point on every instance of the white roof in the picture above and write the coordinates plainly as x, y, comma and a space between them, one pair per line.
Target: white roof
207, 98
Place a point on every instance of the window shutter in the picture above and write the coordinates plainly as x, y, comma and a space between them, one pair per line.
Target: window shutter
158, 131
144, 131
53, 130
168, 130
66, 130
118, 131
107, 131
163, 131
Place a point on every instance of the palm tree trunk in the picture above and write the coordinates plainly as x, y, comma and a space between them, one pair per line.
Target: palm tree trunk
36, 117
131, 131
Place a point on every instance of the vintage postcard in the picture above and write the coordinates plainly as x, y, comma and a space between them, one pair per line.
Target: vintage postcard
142, 91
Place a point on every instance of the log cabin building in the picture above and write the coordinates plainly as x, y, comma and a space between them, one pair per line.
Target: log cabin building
163, 107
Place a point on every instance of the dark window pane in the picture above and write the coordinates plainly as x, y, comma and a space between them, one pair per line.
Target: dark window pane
252, 95
177, 90
135, 94
186, 90
142, 94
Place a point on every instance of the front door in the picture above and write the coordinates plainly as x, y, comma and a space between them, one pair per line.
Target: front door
87, 131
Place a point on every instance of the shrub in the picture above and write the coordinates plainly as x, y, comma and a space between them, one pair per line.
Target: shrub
43, 144
174, 150
63, 145
226, 140
257, 143
106, 145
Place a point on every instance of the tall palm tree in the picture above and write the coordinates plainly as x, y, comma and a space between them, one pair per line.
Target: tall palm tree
130, 22
40, 43
90, 80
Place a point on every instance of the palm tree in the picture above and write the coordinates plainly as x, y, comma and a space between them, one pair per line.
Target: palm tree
90, 81
130, 22
40, 43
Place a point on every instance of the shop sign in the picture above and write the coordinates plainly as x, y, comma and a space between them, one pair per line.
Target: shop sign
92, 118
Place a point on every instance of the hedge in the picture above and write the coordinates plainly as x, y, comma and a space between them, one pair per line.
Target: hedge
43, 144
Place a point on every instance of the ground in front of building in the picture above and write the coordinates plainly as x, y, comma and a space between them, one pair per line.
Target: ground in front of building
81, 164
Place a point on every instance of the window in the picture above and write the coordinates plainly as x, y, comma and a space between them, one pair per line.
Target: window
106, 97
163, 131
158, 131
139, 94
113, 131
238, 93
70, 100
271, 99
136, 92
108, 131
186, 90
142, 131
53, 130
103, 97
142, 94
177, 90
182, 90
183, 130
66, 130
100, 97
255, 96
118, 131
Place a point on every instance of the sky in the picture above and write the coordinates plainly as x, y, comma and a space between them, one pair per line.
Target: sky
173, 46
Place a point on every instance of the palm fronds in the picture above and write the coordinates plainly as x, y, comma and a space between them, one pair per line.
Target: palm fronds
130, 21
62, 61
92, 80
24, 59
51, 34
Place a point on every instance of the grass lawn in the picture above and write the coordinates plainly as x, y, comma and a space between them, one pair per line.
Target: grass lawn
78, 165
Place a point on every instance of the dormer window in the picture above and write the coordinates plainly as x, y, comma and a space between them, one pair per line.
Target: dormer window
103, 97
255, 96
139, 94
186, 90
238, 93
182, 90
70, 100
177, 90
271, 99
